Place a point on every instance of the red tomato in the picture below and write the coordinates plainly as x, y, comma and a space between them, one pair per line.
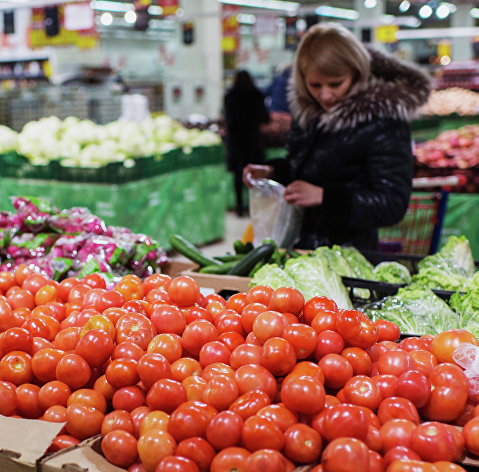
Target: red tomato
131, 287
249, 314
83, 421
445, 466
95, 347
176, 464
184, 291
16, 367
395, 362
190, 419
117, 420
44, 364
471, 435
250, 403
220, 392
7, 319
411, 466
213, 352
198, 450
102, 386
344, 421
28, 405
152, 367
16, 339
328, 342
345, 455
120, 448
337, 370
302, 337
154, 420
317, 304
8, 396
266, 460
153, 446
303, 394
415, 386
397, 408
256, 377
169, 345
196, 334
363, 391
136, 328
269, 324
259, 294
231, 339
278, 356
424, 361
231, 458
286, 299
166, 395
302, 444
54, 393
122, 372
67, 339
62, 442
73, 370
260, 433
162, 281
279, 414
168, 319
88, 397
237, 302
387, 330
445, 343
246, 354
434, 441
224, 430
127, 350
55, 414
359, 360
356, 328
400, 453
449, 393
396, 433
184, 367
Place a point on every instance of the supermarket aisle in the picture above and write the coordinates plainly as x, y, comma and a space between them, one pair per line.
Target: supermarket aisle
234, 229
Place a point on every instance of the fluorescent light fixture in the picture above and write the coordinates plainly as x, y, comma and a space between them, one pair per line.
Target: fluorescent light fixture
130, 16
445, 60
442, 11
425, 11
268, 4
334, 12
404, 6
451, 6
301, 25
370, 3
155, 10
106, 5
474, 12
429, 33
106, 18
246, 19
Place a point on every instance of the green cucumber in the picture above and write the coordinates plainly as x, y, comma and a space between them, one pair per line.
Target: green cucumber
189, 250
229, 257
245, 265
218, 269
242, 248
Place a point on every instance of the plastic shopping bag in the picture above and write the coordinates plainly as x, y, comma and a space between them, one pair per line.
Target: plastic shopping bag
271, 216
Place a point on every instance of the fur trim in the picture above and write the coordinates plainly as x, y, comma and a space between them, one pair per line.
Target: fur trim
395, 90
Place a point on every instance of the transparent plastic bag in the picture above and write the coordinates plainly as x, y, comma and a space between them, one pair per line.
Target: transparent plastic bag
467, 356
271, 216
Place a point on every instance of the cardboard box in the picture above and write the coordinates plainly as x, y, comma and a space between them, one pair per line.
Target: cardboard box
23, 444
219, 282
176, 268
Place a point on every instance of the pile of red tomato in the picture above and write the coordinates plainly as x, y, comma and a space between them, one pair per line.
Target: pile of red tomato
175, 381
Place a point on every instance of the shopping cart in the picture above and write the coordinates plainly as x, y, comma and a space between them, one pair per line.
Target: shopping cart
420, 230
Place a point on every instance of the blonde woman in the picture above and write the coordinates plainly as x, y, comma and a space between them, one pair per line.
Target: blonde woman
350, 162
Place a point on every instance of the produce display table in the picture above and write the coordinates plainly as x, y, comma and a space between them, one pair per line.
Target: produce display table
427, 128
183, 193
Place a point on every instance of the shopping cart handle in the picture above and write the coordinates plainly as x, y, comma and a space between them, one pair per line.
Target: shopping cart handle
447, 181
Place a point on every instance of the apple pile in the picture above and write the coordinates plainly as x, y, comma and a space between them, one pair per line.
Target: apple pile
263, 381
457, 148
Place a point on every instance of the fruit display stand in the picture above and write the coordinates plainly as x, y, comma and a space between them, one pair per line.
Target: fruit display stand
157, 197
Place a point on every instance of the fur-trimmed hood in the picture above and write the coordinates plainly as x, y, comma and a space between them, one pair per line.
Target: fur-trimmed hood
395, 90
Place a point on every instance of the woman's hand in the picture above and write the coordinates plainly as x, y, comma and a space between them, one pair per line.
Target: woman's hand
304, 194
256, 171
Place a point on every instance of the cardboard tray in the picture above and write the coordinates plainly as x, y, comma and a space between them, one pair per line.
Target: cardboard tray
23, 444
218, 283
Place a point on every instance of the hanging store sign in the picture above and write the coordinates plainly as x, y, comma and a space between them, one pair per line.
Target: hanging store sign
230, 26
170, 7
386, 33
59, 29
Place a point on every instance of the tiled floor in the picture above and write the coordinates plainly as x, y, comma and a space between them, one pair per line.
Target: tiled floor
234, 229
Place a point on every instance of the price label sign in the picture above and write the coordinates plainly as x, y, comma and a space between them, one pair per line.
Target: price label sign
386, 33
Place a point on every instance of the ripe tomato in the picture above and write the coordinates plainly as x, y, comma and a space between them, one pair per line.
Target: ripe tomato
120, 448
73, 370
445, 466
198, 450
136, 328
54, 393
196, 334
266, 460
471, 435
278, 356
153, 446
27, 401
415, 386
449, 393
16, 339
344, 421
316, 305
122, 372
83, 421
21, 298
302, 444
359, 360
434, 441
356, 328
328, 342
213, 352
250, 403
256, 377
345, 455
176, 464
220, 392
102, 386
131, 287
237, 302
195, 387
400, 453
396, 433
231, 339
169, 345
190, 419
303, 394
269, 324
168, 319
302, 337
260, 433
16, 367
184, 367
287, 299
137, 416
44, 364
395, 362
278, 414
337, 370
224, 430
8, 396
259, 294
95, 346
117, 420
397, 408
166, 395
184, 291
62, 441
411, 466
249, 314
445, 343
424, 361
246, 354
387, 330
37, 327
56, 414
231, 458
67, 338
155, 420
363, 391
88, 397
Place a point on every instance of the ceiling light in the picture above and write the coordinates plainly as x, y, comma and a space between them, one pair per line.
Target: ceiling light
130, 16
370, 3
445, 60
155, 10
106, 19
404, 6
442, 11
105, 5
246, 19
268, 4
474, 12
301, 25
334, 12
429, 33
451, 6
425, 11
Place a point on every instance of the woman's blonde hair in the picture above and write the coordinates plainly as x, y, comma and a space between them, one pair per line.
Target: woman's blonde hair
333, 50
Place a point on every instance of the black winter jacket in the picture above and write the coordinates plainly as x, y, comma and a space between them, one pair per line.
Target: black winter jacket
360, 152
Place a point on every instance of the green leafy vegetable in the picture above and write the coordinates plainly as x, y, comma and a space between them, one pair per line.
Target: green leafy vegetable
361, 267
272, 276
392, 272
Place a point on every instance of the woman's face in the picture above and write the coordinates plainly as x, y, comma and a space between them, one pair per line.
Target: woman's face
326, 90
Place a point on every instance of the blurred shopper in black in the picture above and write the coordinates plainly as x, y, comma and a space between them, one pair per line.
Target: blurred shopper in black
244, 111
277, 91
350, 162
